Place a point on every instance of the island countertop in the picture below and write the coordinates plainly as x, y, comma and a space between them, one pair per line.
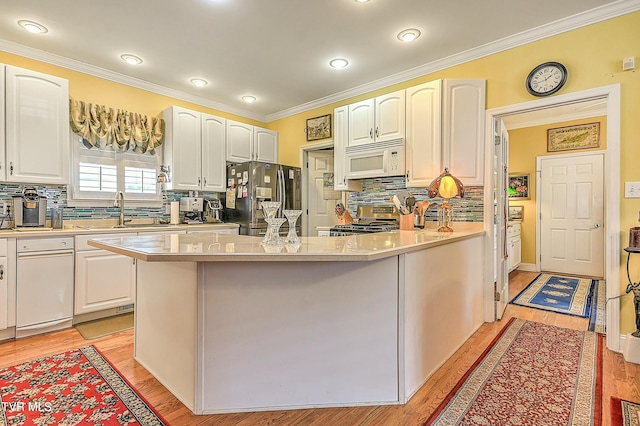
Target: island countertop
211, 247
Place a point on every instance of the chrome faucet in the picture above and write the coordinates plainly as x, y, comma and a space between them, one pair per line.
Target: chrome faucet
119, 202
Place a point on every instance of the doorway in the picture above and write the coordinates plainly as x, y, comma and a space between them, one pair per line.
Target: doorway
610, 97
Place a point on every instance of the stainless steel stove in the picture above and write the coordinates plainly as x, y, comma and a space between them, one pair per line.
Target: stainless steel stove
370, 219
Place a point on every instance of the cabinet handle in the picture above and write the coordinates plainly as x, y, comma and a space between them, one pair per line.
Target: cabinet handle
371, 133
376, 131
1, 272
134, 261
11, 168
198, 181
344, 180
205, 181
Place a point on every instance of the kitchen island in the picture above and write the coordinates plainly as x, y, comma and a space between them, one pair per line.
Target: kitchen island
228, 325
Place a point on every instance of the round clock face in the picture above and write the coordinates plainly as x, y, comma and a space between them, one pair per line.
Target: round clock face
546, 79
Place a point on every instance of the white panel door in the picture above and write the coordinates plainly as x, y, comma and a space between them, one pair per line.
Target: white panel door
321, 211
572, 214
501, 207
214, 163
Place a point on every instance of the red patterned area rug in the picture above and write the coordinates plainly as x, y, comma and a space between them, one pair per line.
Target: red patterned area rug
624, 413
531, 374
75, 387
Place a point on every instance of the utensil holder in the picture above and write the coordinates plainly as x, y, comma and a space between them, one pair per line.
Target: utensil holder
406, 222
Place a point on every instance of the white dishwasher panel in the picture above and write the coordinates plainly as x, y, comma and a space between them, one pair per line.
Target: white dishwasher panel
44, 285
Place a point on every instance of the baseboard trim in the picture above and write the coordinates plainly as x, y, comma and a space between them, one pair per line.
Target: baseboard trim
529, 267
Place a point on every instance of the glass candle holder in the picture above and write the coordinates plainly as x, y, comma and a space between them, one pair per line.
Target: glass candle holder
292, 216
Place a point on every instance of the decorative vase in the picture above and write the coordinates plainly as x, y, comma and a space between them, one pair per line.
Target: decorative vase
292, 216
272, 236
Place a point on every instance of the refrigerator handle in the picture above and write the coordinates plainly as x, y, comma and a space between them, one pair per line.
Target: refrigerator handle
284, 190
279, 192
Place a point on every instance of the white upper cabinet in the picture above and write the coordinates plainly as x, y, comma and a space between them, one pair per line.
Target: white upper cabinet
214, 165
194, 150
250, 143
36, 130
463, 129
445, 128
239, 142
424, 129
377, 120
340, 136
265, 145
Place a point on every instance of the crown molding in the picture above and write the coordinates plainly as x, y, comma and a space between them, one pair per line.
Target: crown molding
612, 10
71, 64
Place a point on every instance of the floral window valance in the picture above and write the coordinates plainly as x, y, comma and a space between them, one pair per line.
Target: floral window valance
102, 127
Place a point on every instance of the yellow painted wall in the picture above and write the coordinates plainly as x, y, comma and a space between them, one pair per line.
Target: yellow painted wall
525, 145
593, 56
115, 95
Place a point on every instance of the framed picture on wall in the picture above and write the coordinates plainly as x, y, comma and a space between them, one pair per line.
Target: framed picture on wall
518, 186
582, 136
318, 127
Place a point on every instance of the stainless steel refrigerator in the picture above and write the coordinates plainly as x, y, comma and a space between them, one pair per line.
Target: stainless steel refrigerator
251, 183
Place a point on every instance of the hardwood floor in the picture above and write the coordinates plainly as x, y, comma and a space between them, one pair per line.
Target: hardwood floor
620, 377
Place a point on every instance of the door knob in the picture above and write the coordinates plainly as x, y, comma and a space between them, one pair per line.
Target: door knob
596, 226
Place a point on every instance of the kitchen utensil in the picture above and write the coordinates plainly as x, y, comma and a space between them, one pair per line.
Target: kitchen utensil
410, 203
396, 202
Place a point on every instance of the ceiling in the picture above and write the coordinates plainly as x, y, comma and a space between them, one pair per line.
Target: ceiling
275, 50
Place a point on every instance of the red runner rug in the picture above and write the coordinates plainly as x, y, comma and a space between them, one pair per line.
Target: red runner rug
624, 413
531, 374
75, 387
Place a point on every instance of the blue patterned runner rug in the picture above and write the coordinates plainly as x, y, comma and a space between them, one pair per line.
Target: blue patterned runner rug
558, 293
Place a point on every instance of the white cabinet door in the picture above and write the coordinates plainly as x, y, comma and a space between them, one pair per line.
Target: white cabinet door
361, 122
182, 151
3, 168
239, 142
4, 293
37, 127
340, 137
390, 117
463, 129
214, 168
103, 280
265, 145
424, 130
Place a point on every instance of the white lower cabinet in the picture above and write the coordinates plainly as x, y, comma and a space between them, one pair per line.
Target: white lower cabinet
4, 286
514, 246
104, 279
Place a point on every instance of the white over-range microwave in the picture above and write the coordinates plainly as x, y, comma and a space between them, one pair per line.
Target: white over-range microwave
377, 159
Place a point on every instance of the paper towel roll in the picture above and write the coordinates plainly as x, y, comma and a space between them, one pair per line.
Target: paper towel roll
175, 212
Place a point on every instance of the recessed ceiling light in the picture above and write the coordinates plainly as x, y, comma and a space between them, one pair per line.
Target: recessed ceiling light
338, 63
131, 59
362, 1
249, 99
198, 82
409, 35
33, 27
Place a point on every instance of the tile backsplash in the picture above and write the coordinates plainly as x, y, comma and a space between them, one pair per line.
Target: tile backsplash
379, 191
57, 197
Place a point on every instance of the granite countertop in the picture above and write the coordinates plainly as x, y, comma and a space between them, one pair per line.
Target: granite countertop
224, 247
84, 227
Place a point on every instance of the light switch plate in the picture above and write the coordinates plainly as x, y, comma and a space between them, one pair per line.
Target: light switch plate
632, 190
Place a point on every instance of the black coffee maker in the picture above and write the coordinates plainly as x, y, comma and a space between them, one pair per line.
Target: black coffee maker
29, 209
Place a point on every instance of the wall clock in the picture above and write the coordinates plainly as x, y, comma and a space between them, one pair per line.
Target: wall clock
546, 79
